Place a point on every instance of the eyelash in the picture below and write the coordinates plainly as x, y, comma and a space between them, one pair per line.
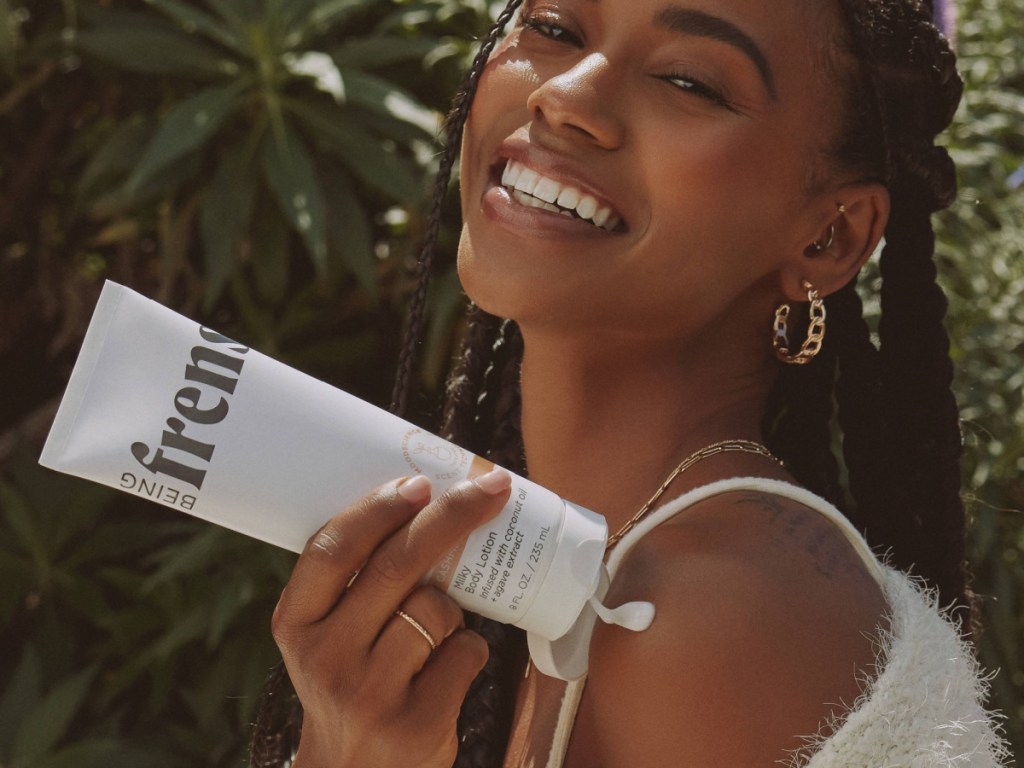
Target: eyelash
547, 29
682, 82
698, 88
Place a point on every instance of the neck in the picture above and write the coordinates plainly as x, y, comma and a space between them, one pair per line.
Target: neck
605, 421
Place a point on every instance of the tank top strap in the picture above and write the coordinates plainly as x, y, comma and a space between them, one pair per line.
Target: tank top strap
759, 484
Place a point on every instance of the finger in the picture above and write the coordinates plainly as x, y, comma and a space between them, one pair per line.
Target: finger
335, 553
400, 562
421, 625
442, 685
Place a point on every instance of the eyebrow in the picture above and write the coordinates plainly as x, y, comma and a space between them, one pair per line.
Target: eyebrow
692, 22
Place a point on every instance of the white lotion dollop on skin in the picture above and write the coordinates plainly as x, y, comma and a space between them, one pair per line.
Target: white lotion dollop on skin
635, 616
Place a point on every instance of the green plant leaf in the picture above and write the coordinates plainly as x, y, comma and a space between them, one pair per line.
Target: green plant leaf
194, 20
92, 753
363, 153
190, 556
229, 602
350, 234
269, 254
225, 216
15, 512
383, 50
329, 13
377, 123
292, 177
292, 16
184, 128
309, 18
45, 724
142, 43
11, 40
318, 67
448, 303
379, 95
163, 184
16, 579
233, 15
21, 696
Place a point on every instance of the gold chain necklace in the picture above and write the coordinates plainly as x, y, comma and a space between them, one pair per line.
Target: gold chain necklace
724, 446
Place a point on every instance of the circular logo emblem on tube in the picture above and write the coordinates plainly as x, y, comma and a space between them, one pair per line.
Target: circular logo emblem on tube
429, 455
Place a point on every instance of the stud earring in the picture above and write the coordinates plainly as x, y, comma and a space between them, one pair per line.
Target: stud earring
815, 330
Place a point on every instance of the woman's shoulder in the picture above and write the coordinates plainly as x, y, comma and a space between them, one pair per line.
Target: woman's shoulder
767, 625
753, 550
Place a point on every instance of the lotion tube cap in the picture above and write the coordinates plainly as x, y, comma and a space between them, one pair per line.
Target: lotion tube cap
573, 576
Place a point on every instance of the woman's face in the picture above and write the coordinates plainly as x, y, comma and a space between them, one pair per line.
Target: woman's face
681, 135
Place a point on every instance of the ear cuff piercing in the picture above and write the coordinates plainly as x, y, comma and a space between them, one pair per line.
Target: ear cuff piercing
819, 247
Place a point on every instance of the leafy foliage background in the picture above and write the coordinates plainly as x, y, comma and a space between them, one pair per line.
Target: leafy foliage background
262, 165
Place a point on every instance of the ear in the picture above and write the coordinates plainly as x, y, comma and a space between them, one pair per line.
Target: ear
829, 258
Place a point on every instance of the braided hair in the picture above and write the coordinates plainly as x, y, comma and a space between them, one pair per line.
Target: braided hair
891, 404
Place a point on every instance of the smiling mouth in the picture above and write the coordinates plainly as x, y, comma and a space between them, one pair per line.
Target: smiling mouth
533, 190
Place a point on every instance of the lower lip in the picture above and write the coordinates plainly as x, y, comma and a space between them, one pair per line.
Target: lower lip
501, 207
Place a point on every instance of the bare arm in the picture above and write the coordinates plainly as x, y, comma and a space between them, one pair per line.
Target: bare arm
765, 624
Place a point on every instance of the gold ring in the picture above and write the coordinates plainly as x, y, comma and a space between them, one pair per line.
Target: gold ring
419, 628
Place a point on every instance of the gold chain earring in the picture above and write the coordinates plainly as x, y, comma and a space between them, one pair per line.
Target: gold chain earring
815, 330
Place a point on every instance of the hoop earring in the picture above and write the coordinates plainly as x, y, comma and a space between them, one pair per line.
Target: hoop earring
815, 331
819, 247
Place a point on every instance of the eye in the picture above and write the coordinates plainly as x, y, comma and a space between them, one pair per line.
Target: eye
548, 28
689, 84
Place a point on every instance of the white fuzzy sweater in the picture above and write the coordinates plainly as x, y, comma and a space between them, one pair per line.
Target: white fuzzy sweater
925, 709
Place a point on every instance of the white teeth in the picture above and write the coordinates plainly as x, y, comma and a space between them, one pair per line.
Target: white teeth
569, 198
547, 190
533, 202
587, 207
531, 189
511, 175
527, 181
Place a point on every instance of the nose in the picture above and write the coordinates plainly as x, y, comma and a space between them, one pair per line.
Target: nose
579, 103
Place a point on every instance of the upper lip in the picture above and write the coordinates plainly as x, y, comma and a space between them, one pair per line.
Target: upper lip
554, 167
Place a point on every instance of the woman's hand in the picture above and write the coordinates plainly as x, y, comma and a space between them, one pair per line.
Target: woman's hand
374, 691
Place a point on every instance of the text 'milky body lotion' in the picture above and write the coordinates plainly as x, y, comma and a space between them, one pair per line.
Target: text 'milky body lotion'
164, 408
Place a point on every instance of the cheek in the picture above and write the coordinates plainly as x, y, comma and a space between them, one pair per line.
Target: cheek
504, 86
721, 191
498, 109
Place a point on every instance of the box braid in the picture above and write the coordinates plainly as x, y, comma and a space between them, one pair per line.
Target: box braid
896, 409
908, 72
454, 123
798, 423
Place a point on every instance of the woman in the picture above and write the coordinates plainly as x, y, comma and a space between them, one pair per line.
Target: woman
645, 186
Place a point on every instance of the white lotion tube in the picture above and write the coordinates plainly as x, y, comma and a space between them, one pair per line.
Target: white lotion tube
163, 408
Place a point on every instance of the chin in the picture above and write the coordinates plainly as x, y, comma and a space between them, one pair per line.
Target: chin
489, 292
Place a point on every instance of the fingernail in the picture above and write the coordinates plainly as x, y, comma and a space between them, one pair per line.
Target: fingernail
415, 489
494, 482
